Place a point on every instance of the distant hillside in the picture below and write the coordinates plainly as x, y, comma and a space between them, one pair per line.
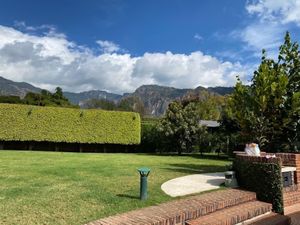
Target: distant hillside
157, 98
154, 97
8, 87
78, 98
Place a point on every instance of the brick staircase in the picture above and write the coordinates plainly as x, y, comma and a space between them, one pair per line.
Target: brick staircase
233, 215
225, 207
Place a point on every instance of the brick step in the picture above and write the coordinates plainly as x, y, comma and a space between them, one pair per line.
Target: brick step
270, 219
234, 214
179, 211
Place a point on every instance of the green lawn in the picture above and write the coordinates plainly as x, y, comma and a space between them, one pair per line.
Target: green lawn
74, 188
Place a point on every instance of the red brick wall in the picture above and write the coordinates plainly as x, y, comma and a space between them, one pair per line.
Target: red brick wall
289, 159
291, 195
259, 159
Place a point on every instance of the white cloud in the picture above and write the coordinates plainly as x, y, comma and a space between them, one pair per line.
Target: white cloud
51, 60
270, 20
198, 37
185, 71
261, 35
108, 46
283, 11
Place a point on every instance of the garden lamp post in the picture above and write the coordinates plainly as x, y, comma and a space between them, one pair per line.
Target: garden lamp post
144, 172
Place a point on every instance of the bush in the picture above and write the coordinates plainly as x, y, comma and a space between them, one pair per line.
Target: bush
53, 124
149, 139
263, 178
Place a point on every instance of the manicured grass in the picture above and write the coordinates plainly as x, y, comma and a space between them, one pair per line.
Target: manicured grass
74, 188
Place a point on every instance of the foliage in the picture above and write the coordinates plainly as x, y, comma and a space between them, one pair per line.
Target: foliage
289, 59
150, 138
262, 178
269, 109
54, 124
130, 104
100, 104
150, 120
11, 99
181, 126
209, 105
46, 98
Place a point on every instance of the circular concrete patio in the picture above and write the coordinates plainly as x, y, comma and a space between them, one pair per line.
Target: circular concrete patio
192, 184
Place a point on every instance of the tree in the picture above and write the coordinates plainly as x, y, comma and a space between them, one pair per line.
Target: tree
268, 109
181, 126
132, 103
289, 59
10, 99
46, 98
58, 93
209, 105
99, 104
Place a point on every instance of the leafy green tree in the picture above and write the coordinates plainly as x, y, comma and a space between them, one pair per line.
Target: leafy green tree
11, 99
133, 104
58, 93
46, 98
209, 105
34, 99
267, 111
289, 59
100, 104
258, 107
181, 126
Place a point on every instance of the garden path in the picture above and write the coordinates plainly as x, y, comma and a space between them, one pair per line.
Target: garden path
192, 184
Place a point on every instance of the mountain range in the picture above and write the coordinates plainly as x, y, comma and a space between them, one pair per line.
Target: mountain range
8, 87
155, 98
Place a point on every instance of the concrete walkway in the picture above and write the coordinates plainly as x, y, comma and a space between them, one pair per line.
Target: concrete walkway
294, 213
193, 184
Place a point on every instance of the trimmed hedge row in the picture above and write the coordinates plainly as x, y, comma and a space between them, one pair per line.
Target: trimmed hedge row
263, 178
53, 124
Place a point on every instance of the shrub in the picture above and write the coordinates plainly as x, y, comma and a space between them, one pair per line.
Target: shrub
150, 138
263, 178
53, 124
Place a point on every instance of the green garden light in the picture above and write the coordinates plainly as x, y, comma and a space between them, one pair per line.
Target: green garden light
144, 172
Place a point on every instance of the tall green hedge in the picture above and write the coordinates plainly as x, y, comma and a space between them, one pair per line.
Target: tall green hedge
263, 178
52, 124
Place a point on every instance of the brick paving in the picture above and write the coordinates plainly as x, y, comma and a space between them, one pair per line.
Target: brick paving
292, 209
295, 217
233, 215
294, 213
180, 211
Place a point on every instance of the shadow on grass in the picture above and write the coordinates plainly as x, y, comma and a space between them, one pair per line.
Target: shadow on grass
193, 155
128, 196
194, 168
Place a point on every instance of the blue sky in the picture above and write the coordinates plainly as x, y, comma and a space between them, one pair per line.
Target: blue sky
137, 25
118, 45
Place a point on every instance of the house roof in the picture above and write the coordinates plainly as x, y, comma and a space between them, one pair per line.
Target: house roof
209, 123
